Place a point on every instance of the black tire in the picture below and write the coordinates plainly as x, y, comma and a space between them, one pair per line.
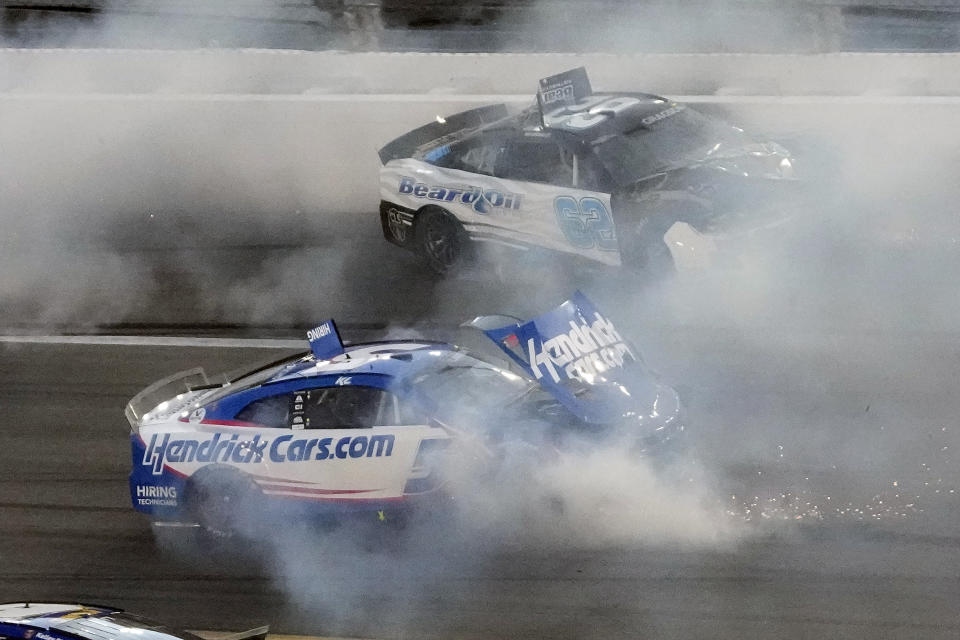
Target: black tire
226, 503
441, 240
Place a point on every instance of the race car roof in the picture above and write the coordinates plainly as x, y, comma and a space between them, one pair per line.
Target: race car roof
392, 359
634, 110
643, 109
610, 114
566, 102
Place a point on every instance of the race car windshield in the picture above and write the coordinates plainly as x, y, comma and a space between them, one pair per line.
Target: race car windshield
462, 385
682, 138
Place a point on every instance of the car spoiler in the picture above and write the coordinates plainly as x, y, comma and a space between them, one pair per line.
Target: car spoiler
407, 144
162, 391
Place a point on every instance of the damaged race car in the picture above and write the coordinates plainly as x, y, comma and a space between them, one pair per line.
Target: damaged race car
52, 621
368, 429
601, 177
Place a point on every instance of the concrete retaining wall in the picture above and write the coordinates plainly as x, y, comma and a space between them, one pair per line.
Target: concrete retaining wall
280, 71
234, 155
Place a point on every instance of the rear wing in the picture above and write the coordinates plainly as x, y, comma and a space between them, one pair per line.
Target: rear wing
164, 391
406, 145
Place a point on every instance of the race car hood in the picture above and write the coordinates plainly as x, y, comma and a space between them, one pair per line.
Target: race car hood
755, 159
577, 355
751, 161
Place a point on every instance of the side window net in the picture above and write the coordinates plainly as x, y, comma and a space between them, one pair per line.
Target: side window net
475, 157
269, 412
342, 408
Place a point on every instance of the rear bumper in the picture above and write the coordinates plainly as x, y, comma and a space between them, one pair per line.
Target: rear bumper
154, 490
396, 222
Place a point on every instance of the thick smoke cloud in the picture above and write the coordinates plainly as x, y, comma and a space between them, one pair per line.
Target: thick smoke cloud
813, 363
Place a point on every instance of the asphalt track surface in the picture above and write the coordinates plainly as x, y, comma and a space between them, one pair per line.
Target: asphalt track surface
836, 389
67, 531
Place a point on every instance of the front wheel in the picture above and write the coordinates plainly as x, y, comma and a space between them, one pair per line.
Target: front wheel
441, 240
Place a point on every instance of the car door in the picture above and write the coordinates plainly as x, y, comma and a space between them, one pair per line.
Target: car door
338, 441
565, 208
456, 177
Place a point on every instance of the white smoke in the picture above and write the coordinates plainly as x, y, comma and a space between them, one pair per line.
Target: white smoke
597, 496
127, 208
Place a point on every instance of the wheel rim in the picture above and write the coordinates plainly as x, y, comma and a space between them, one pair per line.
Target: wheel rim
224, 507
441, 240
217, 512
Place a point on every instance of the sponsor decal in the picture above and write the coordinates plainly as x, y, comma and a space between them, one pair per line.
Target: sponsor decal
399, 222
344, 380
575, 347
586, 223
85, 612
156, 496
567, 87
320, 332
573, 341
163, 450
481, 200
324, 340
286, 449
217, 449
660, 115
563, 93
591, 346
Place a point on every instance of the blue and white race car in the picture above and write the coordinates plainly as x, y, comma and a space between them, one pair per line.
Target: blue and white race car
606, 178
368, 427
53, 621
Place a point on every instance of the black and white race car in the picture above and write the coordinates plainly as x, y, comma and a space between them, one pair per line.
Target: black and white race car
602, 177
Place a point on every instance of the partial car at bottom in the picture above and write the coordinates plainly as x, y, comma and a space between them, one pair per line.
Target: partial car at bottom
600, 177
370, 428
58, 621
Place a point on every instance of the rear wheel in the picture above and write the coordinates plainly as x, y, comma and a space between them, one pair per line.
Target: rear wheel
441, 240
225, 502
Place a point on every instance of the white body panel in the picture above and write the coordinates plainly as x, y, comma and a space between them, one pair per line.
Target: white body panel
511, 212
311, 464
